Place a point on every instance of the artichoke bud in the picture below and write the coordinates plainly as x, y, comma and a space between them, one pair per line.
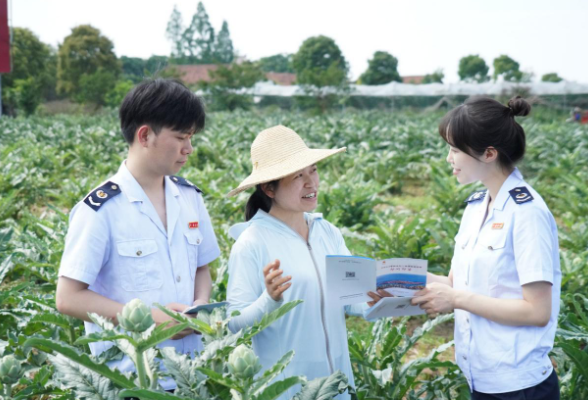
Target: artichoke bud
10, 369
135, 317
243, 363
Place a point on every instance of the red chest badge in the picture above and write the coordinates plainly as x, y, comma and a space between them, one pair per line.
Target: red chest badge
193, 225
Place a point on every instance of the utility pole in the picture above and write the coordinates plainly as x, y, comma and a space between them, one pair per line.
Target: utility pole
4, 45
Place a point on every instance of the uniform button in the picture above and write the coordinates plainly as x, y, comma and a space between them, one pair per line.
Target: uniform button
468, 320
466, 282
178, 278
544, 372
465, 358
139, 252
490, 248
463, 247
197, 241
114, 187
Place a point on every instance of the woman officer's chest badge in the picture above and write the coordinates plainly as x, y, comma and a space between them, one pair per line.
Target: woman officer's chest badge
498, 225
193, 225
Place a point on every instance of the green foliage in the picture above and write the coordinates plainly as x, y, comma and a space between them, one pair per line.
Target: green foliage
321, 70
85, 52
473, 68
174, 32
33, 72
25, 95
319, 62
276, 63
133, 68
551, 77
95, 87
435, 77
392, 193
380, 367
382, 68
223, 46
115, 96
507, 68
227, 84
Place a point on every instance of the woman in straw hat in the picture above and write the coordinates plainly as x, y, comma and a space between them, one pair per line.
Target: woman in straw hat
279, 256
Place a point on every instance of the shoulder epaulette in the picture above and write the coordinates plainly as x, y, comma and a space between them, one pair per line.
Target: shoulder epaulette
521, 195
184, 182
101, 195
479, 195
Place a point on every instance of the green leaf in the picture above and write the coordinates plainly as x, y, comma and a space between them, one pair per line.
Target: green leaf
72, 353
104, 336
148, 394
271, 373
218, 378
84, 382
325, 388
193, 323
579, 357
178, 366
276, 389
160, 335
269, 318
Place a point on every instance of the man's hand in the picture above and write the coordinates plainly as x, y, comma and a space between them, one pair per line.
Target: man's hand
274, 283
160, 317
378, 296
436, 298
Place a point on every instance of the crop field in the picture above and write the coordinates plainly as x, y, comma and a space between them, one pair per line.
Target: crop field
392, 194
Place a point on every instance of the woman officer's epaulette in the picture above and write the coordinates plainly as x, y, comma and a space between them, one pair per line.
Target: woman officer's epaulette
184, 182
101, 195
521, 195
479, 195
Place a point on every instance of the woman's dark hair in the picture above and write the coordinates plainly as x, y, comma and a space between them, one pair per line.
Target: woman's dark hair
482, 122
161, 103
259, 201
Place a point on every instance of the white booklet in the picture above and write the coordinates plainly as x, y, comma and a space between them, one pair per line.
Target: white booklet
349, 278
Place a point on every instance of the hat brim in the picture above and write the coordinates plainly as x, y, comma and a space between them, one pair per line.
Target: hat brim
287, 167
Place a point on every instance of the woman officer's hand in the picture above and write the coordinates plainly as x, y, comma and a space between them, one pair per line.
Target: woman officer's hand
274, 283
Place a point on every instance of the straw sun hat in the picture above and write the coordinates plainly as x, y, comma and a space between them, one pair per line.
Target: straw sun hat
278, 152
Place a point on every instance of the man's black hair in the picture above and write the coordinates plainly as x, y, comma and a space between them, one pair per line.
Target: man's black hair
161, 103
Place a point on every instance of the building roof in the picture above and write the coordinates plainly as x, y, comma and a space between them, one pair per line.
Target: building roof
414, 79
191, 74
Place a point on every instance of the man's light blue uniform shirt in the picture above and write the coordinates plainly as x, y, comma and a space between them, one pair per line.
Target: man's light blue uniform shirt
122, 251
517, 244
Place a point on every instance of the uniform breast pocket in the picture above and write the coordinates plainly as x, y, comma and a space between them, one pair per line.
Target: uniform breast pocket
492, 258
138, 264
193, 243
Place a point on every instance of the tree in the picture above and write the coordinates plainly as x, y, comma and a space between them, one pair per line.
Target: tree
223, 47
320, 62
94, 87
33, 71
84, 52
198, 39
174, 33
382, 69
226, 81
551, 77
473, 68
507, 68
276, 63
115, 96
435, 77
155, 64
133, 68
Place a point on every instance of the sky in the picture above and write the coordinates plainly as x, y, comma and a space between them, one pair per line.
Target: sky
425, 35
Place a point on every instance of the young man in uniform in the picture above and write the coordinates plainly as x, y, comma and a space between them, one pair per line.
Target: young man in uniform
144, 233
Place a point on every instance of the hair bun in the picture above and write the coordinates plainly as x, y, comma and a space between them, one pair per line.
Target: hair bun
519, 106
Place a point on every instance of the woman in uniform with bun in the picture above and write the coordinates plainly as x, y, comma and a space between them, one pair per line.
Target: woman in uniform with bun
505, 277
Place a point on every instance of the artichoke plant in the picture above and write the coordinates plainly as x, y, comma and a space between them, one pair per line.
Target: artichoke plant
10, 369
243, 363
135, 317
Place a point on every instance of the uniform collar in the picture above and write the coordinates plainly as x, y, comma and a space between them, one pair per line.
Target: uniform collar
133, 190
513, 180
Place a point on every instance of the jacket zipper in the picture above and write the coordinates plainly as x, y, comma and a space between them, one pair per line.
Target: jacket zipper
322, 305
318, 275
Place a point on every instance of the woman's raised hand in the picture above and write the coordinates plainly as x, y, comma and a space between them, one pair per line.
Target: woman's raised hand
274, 283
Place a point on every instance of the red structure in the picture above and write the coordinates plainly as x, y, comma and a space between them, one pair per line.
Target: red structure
4, 38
